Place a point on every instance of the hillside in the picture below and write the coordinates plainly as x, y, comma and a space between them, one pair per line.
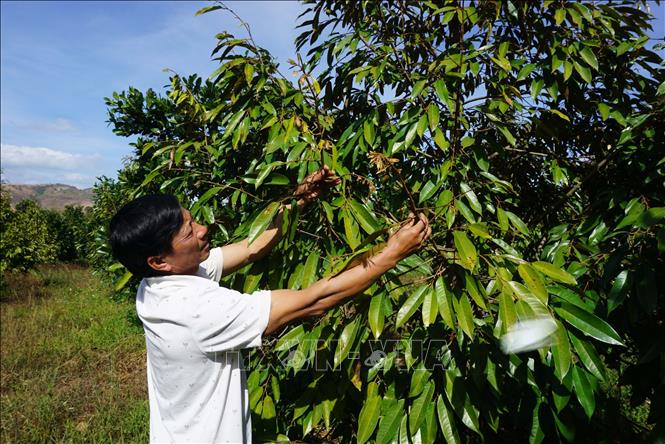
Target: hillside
54, 196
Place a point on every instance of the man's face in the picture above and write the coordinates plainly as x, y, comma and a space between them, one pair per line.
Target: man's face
189, 247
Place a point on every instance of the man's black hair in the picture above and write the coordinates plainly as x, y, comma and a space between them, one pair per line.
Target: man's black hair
142, 228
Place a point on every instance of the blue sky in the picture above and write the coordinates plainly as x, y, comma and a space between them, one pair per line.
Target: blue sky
60, 59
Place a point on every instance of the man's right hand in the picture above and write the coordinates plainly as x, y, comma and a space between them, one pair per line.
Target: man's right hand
409, 238
287, 305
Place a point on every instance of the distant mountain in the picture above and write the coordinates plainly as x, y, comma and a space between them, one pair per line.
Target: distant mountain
55, 196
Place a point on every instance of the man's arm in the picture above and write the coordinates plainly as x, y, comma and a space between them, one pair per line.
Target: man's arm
241, 253
288, 305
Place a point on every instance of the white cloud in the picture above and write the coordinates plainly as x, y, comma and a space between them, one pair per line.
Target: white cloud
40, 157
39, 165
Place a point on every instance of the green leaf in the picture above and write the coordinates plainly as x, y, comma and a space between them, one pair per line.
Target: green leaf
561, 354
345, 342
588, 323
274, 387
433, 116
375, 315
430, 307
502, 63
464, 315
559, 114
536, 87
268, 409
427, 191
507, 248
583, 71
428, 429
249, 73
466, 250
604, 110
480, 230
465, 211
589, 57
207, 195
651, 217
517, 222
442, 91
447, 421
368, 132
617, 292
559, 15
507, 313
457, 394
392, 412
369, 417
290, 338
589, 357
633, 211
471, 197
584, 391
262, 221
207, 9
661, 89
410, 306
351, 230
421, 125
416, 414
419, 378
507, 134
365, 218
418, 88
410, 135
309, 273
525, 71
445, 197
554, 272
502, 218
444, 300
472, 289
533, 280
440, 140
567, 69
120, 284
536, 434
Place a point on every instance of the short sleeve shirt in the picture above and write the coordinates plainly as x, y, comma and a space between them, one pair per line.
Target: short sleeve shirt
194, 331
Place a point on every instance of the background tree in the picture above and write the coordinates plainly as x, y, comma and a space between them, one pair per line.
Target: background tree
527, 131
24, 235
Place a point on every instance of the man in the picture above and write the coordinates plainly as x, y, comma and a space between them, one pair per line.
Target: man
194, 328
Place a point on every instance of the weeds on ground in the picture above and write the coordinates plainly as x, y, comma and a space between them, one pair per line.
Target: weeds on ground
72, 362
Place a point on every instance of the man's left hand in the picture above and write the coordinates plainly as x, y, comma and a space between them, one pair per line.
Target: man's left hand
315, 185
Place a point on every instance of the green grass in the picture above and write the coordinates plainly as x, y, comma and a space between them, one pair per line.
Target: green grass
72, 360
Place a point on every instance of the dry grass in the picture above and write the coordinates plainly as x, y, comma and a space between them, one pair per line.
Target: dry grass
72, 362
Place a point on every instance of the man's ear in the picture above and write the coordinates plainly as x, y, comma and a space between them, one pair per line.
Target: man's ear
157, 263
